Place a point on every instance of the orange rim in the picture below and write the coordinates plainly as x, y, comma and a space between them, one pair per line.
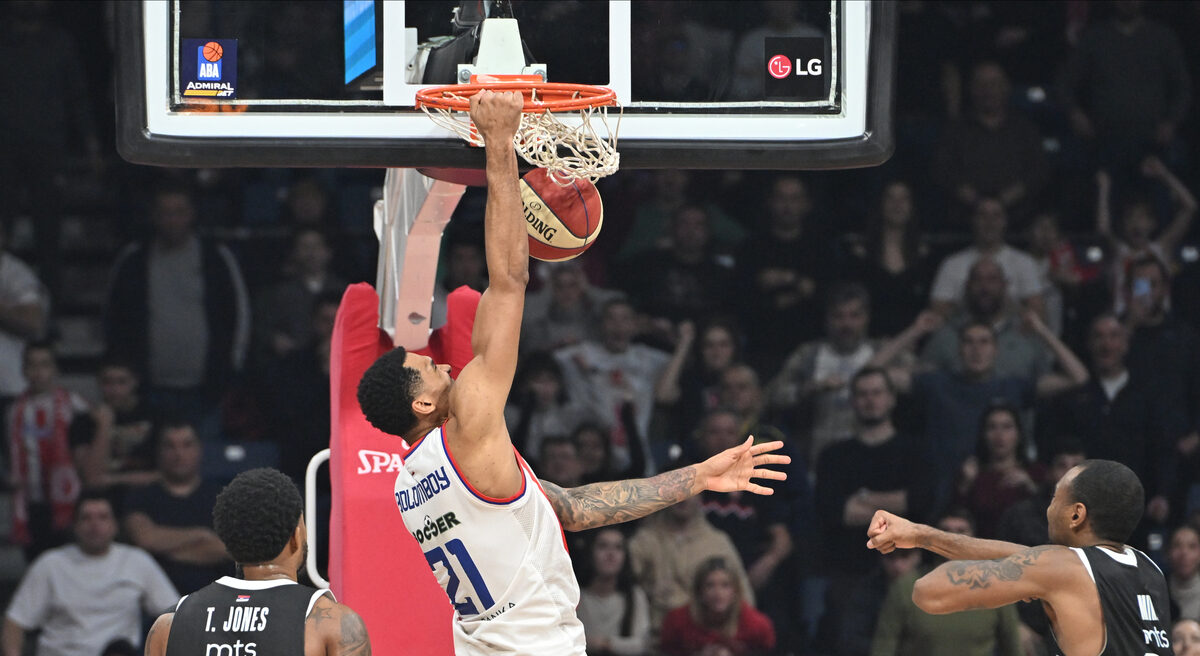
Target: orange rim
552, 96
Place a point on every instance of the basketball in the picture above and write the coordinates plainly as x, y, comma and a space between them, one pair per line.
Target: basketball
213, 51
562, 221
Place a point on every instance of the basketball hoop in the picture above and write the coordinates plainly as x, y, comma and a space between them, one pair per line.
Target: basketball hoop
574, 152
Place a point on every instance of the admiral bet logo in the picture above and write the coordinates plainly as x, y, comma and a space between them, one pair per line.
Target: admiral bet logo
208, 68
795, 68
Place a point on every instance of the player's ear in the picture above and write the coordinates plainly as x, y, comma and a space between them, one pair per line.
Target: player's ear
423, 405
299, 536
1078, 515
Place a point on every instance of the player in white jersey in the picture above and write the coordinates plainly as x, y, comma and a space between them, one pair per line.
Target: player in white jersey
492, 533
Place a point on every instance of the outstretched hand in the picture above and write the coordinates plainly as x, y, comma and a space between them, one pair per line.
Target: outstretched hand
888, 532
732, 469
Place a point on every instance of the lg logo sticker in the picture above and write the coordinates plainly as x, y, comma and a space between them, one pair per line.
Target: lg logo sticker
795, 67
780, 66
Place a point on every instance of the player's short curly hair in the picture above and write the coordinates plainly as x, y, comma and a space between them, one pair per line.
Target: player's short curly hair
386, 393
256, 514
1113, 496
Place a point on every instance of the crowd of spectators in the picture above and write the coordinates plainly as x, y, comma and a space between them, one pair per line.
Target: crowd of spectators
942, 337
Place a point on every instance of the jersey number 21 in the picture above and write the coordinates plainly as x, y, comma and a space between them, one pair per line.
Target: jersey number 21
465, 566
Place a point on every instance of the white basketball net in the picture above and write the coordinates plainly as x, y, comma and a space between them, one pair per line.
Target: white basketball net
545, 141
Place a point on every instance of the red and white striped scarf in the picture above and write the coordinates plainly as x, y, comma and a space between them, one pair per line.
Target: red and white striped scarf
42, 467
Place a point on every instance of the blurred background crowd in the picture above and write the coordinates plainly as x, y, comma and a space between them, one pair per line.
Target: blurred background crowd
1016, 290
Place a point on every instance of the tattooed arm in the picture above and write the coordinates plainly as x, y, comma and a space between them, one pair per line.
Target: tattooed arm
156, 640
888, 532
601, 504
335, 630
1033, 573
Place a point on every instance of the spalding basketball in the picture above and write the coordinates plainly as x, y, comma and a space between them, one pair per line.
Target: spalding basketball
562, 221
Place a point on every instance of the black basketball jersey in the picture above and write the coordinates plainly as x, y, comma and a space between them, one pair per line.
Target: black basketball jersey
1134, 599
235, 617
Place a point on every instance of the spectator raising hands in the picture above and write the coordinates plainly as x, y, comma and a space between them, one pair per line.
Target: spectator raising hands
1139, 224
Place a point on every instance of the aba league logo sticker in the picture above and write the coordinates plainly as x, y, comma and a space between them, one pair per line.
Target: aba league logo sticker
208, 61
208, 68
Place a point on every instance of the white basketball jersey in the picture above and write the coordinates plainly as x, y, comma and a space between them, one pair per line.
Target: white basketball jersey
502, 562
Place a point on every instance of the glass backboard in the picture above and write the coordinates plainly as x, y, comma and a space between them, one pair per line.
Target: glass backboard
724, 84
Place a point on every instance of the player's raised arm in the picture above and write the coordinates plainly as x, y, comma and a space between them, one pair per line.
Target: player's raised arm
888, 532
602, 504
475, 430
1050, 573
506, 246
980, 573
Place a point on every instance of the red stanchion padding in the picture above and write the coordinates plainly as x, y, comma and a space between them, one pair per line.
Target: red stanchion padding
375, 566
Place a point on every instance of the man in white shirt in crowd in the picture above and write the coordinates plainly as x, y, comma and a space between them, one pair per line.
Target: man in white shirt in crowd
84, 595
988, 225
604, 375
813, 389
1019, 352
24, 305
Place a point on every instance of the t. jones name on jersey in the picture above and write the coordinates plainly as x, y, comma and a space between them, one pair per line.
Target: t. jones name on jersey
242, 619
423, 491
